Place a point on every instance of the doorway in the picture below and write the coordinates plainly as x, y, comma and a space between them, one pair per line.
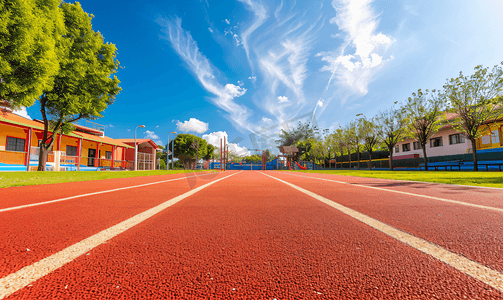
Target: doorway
91, 154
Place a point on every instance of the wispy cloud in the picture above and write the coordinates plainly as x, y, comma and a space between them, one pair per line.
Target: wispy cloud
224, 94
354, 65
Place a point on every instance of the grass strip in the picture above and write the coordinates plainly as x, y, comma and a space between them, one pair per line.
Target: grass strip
10, 179
487, 179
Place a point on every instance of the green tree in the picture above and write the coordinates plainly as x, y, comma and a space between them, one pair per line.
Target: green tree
255, 158
358, 130
83, 87
390, 129
184, 150
29, 33
347, 136
302, 132
210, 152
423, 111
163, 157
476, 99
370, 137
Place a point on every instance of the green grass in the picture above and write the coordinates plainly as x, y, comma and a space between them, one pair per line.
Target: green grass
8, 179
488, 179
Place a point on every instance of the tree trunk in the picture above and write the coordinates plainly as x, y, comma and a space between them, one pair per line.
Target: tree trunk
370, 158
425, 158
358, 155
42, 157
390, 158
474, 149
349, 157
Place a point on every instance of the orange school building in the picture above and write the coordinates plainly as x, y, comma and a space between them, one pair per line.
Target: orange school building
85, 149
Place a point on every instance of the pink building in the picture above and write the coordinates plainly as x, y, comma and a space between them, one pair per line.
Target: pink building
448, 141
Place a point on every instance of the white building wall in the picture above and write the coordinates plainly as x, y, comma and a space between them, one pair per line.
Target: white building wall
445, 149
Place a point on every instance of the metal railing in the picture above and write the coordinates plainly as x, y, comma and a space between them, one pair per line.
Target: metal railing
145, 161
13, 157
35, 153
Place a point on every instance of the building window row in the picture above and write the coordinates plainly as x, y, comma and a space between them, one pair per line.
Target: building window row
434, 142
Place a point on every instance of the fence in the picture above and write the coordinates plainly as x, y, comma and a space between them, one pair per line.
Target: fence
145, 161
13, 157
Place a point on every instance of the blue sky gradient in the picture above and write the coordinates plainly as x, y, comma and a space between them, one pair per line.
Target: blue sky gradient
238, 67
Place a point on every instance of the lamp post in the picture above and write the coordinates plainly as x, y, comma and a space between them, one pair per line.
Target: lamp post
172, 151
136, 148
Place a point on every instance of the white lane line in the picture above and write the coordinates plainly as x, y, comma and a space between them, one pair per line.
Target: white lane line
405, 193
95, 193
27, 275
471, 268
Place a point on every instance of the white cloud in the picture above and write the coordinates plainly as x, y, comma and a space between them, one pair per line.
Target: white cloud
240, 83
187, 49
151, 135
128, 130
210, 30
215, 137
354, 71
22, 112
227, 21
282, 99
157, 126
192, 124
253, 78
267, 120
320, 103
110, 125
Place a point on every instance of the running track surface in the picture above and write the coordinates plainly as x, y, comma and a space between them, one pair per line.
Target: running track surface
247, 235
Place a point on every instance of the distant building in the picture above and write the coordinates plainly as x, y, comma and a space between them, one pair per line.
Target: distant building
146, 152
84, 149
448, 141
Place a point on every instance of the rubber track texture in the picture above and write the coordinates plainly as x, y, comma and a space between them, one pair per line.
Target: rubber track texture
31, 234
252, 237
472, 232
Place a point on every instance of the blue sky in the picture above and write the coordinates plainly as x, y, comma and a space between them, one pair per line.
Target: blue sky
242, 67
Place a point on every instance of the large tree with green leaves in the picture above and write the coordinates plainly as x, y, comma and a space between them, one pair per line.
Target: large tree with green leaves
476, 99
423, 111
302, 132
84, 85
357, 138
185, 151
370, 136
390, 129
29, 33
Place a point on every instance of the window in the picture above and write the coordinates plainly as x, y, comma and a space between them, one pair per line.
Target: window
436, 142
71, 151
15, 144
397, 149
406, 147
417, 145
108, 154
495, 137
456, 139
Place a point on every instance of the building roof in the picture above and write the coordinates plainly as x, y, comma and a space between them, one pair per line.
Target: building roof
139, 141
7, 116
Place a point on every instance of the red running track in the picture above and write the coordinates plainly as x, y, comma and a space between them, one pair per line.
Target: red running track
245, 237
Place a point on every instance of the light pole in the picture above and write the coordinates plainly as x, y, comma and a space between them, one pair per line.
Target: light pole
136, 148
172, 151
